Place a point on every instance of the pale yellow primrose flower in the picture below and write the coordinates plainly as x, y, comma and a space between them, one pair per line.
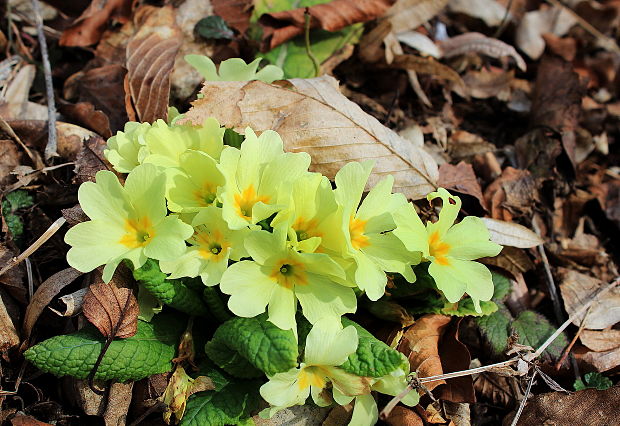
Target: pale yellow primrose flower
167, 143
255, 176
366, 233
194, 185
451, 248
127, 149
279, 276
328, 345
126, 223
310, 212
212, 245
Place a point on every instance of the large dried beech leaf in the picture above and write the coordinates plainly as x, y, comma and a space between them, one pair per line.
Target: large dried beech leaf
577, 289
511, 234
279, 27
461, 178
313, 116
599, 341
150, 58
236, 13
103, 307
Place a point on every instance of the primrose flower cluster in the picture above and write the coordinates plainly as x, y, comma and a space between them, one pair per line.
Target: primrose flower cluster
273, 236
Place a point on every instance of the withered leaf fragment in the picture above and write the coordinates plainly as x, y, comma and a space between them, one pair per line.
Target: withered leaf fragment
104, 305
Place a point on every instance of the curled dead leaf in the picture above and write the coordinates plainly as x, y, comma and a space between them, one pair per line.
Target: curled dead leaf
479, 43
151, 53
426, 65
313, 116
44, 294
403, 416
113, 310
511, 234
409, 14
279, 27
236, 13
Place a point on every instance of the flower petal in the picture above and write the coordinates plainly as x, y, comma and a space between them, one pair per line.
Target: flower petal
249, 289
168, 243
328, 344
282, 390
94, 243
350, 182
323, 297
365, 411
146, 187
410, 229
282, 308
469, 240
106, 199
369, 276
450, 208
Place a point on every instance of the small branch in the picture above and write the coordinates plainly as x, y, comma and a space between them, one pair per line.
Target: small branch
558, 365
553, 291
54, 227
524, 400
315, 62
527, 358
50, 148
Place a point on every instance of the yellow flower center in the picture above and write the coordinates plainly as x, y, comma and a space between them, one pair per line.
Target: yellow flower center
288, 273
212, 245
206, 195
305, 229
246, 200
138, 232
356, 230
438, 249
311, 376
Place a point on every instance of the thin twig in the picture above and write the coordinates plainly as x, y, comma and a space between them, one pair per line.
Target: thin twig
315, 62
50, 148
36, 162
553, 290
504, 22
558, 365
54, 227
524, 400
528, 358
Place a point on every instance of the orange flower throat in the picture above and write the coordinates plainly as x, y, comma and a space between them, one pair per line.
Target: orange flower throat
246, 200
138, 232
438, 249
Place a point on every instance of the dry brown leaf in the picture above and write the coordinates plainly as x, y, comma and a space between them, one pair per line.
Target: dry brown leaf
90, 160
426, 65
589, 407
279, 27
461, 178
534, 24
69, 304
511, 234
500, 390
103, 87
564, 47
44, 294
24, 420
312, 115
433, 348
150, 58
599, 341
479, 43
409, 14
8, 332
493, 13
464, 145
10, 157
104, 306
421, 344
403, 416
512, 260
514, 192
339, 415
557, 100
601, 361
88, 28
577, 289
485, 84
236, 13
84, 113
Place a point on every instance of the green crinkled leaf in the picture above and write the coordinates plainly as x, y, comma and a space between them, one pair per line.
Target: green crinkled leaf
12, 202
533, 329
214, 27
502, 286
19, 199
233, 404
496, 329
150, 351
232, 138
373, 358
173, 293
594, 380
251, 347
